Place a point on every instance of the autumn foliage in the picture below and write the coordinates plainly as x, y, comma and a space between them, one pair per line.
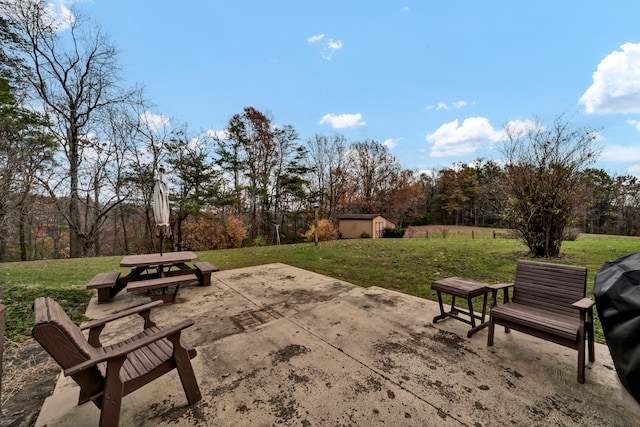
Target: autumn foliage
214, 233
326, 231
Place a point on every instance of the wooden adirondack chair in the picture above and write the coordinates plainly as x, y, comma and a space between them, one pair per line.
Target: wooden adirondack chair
107, 373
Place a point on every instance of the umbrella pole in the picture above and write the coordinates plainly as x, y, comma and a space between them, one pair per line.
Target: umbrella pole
161, 242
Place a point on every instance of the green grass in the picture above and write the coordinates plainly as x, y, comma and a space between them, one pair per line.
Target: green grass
406, 265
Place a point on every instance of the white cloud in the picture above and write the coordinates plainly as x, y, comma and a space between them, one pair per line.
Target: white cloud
453, 139
342, 121
634, 123
390, 143
216, 134
316, 38
519, 128
329, 45
445, 106
334, 45
620, 154
405, 9
58, 15
154, 122
616, 83
330, 48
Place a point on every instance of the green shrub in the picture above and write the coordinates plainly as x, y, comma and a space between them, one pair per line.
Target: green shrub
259, 241
393, 233
365, 235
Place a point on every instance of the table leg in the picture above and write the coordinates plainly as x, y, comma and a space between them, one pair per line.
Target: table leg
471, 314
442, 314
482, 324
484, 307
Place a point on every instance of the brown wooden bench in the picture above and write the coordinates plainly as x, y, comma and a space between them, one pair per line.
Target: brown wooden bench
203, 271
106, 374
549, 303
162, 288
107, 285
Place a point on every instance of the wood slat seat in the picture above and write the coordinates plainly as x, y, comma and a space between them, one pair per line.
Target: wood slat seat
162, 288
548, 302
107, 373
564, 326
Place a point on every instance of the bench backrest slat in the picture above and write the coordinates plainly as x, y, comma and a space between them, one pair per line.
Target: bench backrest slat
553, 287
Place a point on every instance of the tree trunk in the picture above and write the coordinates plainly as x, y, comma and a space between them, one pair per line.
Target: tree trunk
75, 238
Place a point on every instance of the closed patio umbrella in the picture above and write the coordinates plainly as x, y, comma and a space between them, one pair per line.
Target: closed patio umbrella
161, 209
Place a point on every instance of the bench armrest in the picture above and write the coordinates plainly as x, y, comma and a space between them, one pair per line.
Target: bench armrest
499, 286
584, 304
96, 326
494, 292
120, 315
124, 350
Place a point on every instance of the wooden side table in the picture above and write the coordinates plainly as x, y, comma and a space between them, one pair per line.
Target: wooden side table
462, 288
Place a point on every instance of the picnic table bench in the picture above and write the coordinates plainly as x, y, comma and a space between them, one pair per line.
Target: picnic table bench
162, 288
203, 271
107, 285
548, 302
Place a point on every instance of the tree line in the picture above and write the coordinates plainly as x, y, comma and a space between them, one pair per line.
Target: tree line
79, 154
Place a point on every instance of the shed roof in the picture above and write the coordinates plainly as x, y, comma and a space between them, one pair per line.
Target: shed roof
359, 216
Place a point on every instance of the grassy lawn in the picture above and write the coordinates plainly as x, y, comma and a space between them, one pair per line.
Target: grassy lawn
406, 265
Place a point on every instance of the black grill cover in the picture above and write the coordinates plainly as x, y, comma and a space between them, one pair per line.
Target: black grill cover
617, 294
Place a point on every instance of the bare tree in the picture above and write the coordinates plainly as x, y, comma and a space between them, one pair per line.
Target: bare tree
327, 165
373, 172
74, 75
543, 168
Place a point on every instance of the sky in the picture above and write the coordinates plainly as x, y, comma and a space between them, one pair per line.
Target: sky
435, 81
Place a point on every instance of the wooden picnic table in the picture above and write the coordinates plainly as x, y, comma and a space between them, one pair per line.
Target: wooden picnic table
154, 273
140, 264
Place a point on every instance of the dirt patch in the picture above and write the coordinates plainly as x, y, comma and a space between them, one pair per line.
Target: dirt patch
28, 378
286, 353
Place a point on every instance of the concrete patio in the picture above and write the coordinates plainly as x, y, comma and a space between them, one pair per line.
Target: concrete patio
278, 345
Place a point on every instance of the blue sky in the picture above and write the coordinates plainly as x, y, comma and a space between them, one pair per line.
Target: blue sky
436, 81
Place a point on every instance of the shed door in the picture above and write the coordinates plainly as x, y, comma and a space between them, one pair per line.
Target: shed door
378, 227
